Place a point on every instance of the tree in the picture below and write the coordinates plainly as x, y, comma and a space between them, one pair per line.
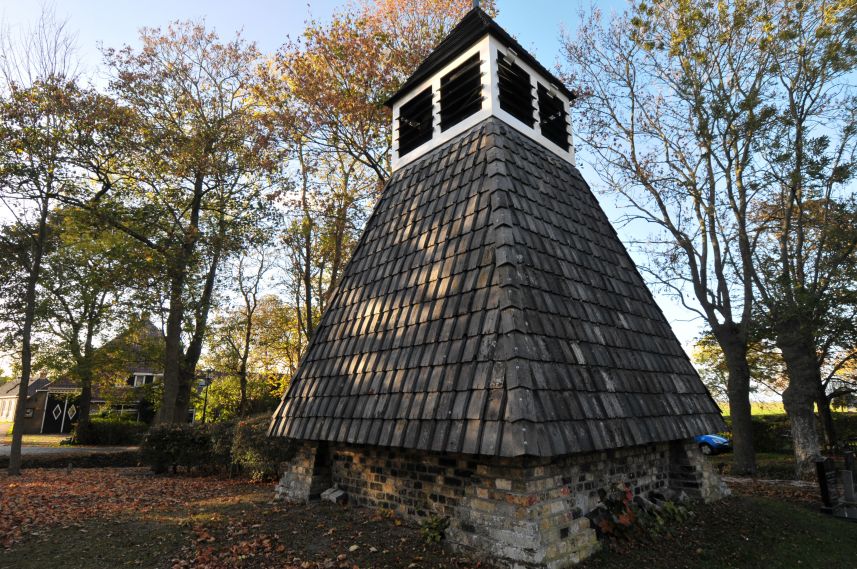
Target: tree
324, 97
671, 105
46, 49
330, 85
34, 175
280, 343
234, 331
85, 283
187, 180
14, 253
324, 214
805, 264
763, 358
838, 383
272, 355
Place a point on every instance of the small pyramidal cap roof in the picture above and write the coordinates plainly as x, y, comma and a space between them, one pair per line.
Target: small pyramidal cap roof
473, 26
478, 71
490, 308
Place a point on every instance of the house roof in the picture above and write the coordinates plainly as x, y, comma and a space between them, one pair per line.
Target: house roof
10, 389
490, 308
61, 383
140, 345
43, 384
472, 27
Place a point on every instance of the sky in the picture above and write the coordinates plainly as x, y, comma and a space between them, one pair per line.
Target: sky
537, 25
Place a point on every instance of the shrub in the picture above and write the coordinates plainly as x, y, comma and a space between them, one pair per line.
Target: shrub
770, 433
433, 529
221, 435
255, 453
217, 446
108, 431
170, 446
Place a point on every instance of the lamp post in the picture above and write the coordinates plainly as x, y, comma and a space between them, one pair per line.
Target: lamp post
206, 381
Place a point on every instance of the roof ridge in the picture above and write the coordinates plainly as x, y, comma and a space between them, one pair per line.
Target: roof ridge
518, 411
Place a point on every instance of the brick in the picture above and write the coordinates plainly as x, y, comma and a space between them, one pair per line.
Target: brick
487, 513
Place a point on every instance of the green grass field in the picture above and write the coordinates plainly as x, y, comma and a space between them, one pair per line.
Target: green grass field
37, 440
759, 408
744, 532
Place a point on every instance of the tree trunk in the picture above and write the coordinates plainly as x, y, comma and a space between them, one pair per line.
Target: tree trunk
828, 428
85, 402
172, 352
800, 396
176, 396
185, 387
242, 379
188, 363
26, 371
738, 390
307, 278
26, 341
85, 376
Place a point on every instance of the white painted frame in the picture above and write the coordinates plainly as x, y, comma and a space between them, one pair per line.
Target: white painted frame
487, 47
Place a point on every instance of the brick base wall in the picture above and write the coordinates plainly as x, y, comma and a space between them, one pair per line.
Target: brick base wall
525, 512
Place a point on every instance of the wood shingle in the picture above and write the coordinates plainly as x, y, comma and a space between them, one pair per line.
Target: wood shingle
490, 308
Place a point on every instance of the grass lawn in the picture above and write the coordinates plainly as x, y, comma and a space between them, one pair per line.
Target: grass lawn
758, 408
37, 440
125, 517
744, 532
771, 465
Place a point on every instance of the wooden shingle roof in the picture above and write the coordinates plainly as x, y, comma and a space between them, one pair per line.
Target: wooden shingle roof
490, 308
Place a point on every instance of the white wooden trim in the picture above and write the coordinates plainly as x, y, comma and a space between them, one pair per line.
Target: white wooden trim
487, 47
440, 137
535, 132
44, 411
64, 411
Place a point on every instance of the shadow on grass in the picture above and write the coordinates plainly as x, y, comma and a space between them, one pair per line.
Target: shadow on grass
743, 532
101, 544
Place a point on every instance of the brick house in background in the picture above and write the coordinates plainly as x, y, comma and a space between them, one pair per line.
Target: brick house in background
134, 363
36, 396
52, 405
130, 363
491, 354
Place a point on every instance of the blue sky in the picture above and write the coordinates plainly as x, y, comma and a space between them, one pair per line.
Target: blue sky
114, 23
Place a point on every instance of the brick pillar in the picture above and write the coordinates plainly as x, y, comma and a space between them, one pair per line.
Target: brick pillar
306, 475
523, 516
691, 473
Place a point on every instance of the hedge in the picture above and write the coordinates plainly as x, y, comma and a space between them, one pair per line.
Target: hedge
244, 447
255, 453
173, 446
772, 433
112, 431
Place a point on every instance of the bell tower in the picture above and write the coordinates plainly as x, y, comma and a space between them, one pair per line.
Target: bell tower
477, 72
491, 354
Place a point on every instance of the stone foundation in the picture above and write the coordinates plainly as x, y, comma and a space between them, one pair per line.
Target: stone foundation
306, 475
524, 512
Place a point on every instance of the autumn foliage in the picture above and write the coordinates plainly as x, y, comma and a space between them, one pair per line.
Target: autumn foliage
330, 84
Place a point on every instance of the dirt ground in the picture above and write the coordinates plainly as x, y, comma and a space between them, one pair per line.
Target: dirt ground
127, 517
105, 518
